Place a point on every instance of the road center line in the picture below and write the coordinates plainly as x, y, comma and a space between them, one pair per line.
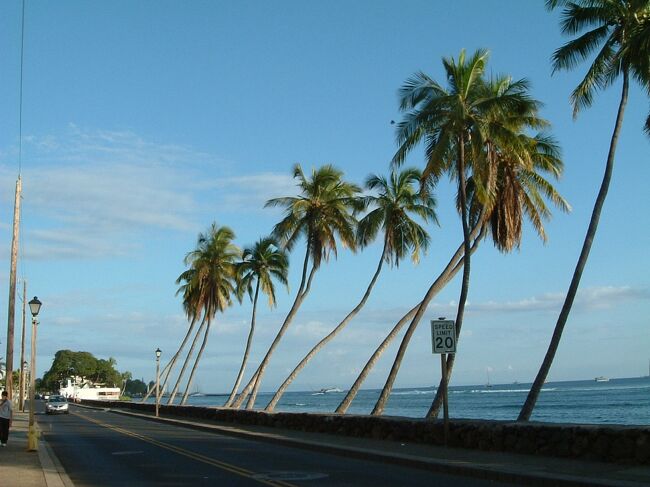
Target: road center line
195, 456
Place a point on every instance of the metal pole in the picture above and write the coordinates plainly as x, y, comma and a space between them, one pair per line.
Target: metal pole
443, 363
32, 438
157, 384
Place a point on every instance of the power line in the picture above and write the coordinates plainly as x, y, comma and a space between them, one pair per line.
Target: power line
20, 97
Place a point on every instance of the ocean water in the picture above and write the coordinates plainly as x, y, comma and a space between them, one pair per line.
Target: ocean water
619, 401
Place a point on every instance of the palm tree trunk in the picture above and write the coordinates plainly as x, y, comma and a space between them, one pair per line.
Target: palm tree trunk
287, 321
467, 252
196, 363
354, 390
436, 404
167, 369
448, 273
149, 392
185, 364
243, 395
271, 406
253, 383
531, 399
249, 341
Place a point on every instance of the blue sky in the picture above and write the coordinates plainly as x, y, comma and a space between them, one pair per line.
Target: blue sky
143, 122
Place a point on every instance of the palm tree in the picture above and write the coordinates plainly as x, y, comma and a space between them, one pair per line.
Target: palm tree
395, 199
259, 266
323, 211
520, 191
620, 31
452, 121
448, 273
209, 283
167, 370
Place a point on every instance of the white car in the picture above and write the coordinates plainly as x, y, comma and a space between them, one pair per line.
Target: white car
56, 405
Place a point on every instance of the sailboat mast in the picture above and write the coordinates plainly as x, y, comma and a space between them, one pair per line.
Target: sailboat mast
12, 291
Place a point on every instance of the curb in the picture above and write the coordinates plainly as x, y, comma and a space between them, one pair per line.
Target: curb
451, 467
54, 473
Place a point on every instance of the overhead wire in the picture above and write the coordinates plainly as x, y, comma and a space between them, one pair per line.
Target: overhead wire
21, 261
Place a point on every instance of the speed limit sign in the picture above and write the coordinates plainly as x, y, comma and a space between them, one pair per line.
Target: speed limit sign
443, 336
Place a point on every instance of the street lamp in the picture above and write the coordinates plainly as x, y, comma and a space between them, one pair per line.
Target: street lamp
158, 353
32, 439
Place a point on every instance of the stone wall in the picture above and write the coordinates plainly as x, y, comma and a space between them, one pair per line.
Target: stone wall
621, 444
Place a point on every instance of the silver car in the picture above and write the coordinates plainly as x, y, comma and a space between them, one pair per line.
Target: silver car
56, 405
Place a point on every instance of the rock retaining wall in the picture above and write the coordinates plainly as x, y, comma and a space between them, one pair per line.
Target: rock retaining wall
621, 444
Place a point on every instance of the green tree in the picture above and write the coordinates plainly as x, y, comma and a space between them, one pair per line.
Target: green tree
619, 30
463, 127
395, 199
260, 264
68, 364
135, 387
521, 190
322, 212
208, 284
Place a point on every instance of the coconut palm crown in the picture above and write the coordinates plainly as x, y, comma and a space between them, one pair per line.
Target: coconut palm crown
618, 31
394, 200
323, 211
209, 283
263, 262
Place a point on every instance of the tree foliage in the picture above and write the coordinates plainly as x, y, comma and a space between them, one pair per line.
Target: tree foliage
81, 364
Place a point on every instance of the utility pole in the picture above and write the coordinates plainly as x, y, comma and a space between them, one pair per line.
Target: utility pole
12, 291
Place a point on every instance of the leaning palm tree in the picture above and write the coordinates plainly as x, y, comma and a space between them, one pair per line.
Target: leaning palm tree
260, 264
453, 121
520, 192
323, 211
395, 200
448, 273
620, 31
168, 369
209, 283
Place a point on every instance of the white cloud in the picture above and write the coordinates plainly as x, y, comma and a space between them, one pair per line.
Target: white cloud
95, 193
591, 298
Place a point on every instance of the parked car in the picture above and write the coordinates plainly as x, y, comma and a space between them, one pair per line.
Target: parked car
56, 405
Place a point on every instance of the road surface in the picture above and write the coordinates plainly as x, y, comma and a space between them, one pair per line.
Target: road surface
101, 449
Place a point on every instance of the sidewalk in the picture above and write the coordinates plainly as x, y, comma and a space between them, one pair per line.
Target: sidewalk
526, 470
21, 468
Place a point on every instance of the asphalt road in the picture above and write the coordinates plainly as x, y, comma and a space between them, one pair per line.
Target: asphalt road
98, 448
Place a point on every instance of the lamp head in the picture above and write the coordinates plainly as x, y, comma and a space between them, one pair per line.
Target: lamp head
158, 352
35, 306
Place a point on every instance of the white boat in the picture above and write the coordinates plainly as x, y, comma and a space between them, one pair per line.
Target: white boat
326, 391
602, 379
86, 390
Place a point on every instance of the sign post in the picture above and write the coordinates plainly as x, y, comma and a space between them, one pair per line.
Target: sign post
443, 341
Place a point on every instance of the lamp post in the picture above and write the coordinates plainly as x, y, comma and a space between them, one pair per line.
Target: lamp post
32, 439
158, 352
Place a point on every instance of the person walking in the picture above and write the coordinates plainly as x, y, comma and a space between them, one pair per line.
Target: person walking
6, 415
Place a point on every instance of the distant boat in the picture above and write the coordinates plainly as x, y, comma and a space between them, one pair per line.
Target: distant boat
602, 379
196, 392
488, 385
326, 391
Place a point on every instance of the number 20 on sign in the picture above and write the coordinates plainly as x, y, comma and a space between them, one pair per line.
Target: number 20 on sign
443, 336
